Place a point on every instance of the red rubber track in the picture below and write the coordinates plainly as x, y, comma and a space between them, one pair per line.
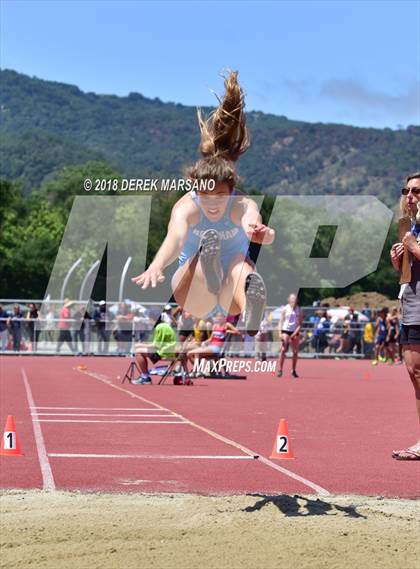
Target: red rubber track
344, 418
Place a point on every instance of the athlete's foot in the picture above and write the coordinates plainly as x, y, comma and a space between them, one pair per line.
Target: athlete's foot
294, 374
280, 373
210, 260
256, 297
410, 453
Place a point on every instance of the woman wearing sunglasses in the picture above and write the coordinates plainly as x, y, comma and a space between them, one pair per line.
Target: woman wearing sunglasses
410, 296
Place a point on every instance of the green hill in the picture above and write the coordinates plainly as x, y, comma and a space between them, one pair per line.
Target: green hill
47, 125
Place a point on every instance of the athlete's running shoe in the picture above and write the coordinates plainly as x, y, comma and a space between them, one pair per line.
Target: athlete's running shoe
256, 298
294, 374
147, 380
210, 248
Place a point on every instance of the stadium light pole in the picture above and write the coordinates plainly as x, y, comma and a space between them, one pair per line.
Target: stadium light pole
123, 275
67, 277
85, 280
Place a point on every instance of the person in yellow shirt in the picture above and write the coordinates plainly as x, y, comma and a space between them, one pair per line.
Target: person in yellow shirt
368, 339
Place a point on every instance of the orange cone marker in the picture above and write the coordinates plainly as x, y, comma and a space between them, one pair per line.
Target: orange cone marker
10, 442
282, 447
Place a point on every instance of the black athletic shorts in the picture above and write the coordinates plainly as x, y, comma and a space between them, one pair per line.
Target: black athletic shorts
410, 334
154, 358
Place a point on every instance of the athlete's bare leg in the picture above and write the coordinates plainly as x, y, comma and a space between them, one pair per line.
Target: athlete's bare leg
285, 338
189, 286
232, 296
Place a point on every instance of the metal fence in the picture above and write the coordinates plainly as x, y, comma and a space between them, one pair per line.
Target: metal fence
108, 337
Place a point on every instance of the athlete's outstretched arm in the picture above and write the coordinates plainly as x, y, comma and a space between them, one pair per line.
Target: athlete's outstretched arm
252, 225
168, 251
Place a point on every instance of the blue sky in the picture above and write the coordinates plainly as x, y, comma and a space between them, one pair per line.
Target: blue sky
352, 62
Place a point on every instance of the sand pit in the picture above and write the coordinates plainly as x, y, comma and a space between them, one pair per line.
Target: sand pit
62, 529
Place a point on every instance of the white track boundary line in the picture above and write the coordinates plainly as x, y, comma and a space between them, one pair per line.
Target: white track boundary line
318, 489
47, 475
116, 421
99, 408
102, 415
151, 456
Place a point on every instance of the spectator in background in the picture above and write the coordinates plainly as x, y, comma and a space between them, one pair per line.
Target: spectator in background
3, 328
368, 339
314, 321
49, 325
185, 324
367, 311
261, 339
202, 330
64, 326
32, 327
355, 336
100, 317
142, 325
335, 341
163, 346
393, 331
15, 325
380, 335
124, 331
167, 317
83, 319
344, 346
321, 332
230, 338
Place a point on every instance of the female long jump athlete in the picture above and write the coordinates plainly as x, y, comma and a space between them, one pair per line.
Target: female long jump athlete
410, 297
210, 230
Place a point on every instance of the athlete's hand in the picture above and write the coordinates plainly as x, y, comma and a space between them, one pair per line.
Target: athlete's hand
150, 277
260, 233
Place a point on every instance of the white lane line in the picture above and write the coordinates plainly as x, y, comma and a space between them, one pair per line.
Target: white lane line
99, 408
102, 415
116, 421
150, 456
47, 475
318, 489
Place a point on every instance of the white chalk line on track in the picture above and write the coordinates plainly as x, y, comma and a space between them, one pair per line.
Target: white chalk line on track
47, 475
108, 381
99, 408
116, 421
102, 415
153, 456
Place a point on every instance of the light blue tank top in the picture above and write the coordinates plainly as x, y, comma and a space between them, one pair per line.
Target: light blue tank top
233, 238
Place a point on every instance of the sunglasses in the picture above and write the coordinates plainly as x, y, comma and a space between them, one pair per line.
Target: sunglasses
414, 191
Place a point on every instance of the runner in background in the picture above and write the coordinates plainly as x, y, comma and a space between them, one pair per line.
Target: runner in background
290, 323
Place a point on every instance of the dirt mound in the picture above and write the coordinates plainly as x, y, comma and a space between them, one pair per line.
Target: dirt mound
358, 300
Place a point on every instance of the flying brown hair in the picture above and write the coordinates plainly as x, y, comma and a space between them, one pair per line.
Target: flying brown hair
225, 133
224, 136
